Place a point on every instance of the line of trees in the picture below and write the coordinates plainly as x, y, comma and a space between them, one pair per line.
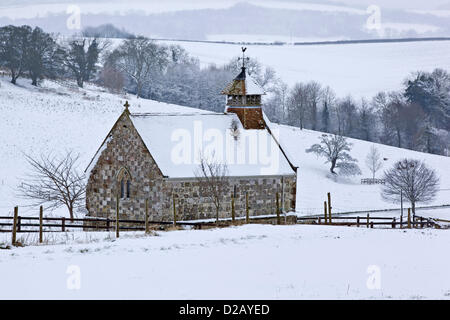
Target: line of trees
416, 117
25, 51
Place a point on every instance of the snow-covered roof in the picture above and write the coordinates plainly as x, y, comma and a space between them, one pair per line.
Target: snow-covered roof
176, 142
243, 84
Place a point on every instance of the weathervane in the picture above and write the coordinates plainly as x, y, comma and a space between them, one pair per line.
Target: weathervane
243, 57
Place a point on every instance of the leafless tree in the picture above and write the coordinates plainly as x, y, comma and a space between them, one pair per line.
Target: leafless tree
373, 161
315, 92
411, 179
81, 57
112, 79
298, 104
55, 181
336, 150
138, 58
212, 177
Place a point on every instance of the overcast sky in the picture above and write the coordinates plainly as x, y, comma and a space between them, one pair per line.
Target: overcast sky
405, 4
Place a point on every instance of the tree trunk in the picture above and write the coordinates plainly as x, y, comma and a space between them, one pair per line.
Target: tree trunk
217, 215
80, 82
333, 165
71, 213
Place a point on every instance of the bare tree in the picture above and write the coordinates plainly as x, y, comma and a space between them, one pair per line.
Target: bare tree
212, 177
411, 179
373, 161
298, 104
138, 58
55, 181
112, 79
13, 49
328, 101
81, 58
314, 90
336, 150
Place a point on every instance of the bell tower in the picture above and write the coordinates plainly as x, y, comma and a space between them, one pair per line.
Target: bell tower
244, 98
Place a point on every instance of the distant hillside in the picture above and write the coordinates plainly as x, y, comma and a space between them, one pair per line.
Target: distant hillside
277, 21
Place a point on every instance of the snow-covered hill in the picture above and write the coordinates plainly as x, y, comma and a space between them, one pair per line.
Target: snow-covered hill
361, 70
349, 195
57, 117
53, 118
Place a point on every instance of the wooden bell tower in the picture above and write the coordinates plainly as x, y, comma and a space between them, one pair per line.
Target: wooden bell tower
244, 98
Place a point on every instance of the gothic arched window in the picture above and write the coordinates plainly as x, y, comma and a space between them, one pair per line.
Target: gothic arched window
124, 179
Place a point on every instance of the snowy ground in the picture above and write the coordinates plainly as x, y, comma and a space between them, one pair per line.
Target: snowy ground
56, 117
348, 194
53, 118
247, 262
361, 70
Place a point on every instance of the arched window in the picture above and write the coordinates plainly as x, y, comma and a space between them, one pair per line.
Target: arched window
124, 179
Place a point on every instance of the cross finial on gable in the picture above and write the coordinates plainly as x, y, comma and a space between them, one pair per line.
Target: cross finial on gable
126, 105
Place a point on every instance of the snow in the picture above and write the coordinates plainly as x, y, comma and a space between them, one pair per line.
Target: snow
59, 116
53, 118
247, 262
176, 142
361, 70
314, 181
267, 38
252, 87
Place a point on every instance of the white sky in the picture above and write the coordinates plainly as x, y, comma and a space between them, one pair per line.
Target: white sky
33, 8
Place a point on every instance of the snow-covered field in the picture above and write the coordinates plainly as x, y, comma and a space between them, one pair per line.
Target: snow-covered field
56, 117
349, 194
247, 262
361, 70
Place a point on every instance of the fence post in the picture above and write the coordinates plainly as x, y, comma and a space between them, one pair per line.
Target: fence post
41, 222
278, 209
367, 223
247, 209
107, 224
16, 212
357, 221
63, 224
174, 212
19, 223
117, 216
371, 225
409, 218
233, 213
401, 222
393, 223
325, 211
329, 207
146, 215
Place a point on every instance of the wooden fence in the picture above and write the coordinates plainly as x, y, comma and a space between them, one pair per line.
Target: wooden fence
372, 181
370, 222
